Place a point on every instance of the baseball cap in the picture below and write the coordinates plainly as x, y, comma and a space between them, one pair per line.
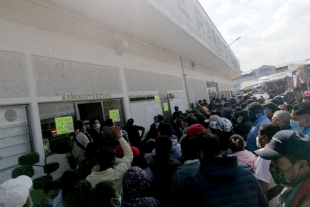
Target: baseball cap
222, 124
195, 129
307, 93
286, 143
119, 153
130, 121
289, 93
14, 192
212, 118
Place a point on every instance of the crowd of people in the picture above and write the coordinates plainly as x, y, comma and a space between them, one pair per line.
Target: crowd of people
246, 151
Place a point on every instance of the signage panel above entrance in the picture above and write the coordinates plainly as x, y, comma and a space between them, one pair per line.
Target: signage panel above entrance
86, 97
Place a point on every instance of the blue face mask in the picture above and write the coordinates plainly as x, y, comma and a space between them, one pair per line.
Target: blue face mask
49, 201
117, 202
295, 125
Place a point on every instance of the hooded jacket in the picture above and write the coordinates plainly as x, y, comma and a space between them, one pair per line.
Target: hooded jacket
245, 157
251, 140
222, 181
163, 169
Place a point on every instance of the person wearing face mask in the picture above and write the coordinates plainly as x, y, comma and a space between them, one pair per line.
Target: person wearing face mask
153, 132
222, 102
289, 98
288, 151
257, 117
261, 166
15, 192
269, 109
106, 160
51, 191
300, 120
243, 125
94, 132
80, 139
106, 195
222, 181
282, 119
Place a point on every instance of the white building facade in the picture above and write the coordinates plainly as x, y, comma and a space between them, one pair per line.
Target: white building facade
112, 59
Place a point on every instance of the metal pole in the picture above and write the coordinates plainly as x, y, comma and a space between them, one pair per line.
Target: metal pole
186, 90
233, 41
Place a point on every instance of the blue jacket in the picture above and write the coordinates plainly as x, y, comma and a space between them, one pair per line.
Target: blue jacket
222, 181
307, 132
251, 140
181, 182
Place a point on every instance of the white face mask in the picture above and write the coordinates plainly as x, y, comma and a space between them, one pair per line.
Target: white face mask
157, 123
257, 142
240, 119
98, 126
117, 202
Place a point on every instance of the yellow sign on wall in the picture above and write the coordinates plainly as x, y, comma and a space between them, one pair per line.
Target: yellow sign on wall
64, 125
166, 108
114, 115
156, 99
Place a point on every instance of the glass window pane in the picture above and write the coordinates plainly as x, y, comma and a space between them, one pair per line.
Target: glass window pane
114, 104
48, 113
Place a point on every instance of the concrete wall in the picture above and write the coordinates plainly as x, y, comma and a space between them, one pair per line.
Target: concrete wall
47, 53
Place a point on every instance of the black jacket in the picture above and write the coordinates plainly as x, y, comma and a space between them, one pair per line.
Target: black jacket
94, 134
245, 127
163, 169
222, 181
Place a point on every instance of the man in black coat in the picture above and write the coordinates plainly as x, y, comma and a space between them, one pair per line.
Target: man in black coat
244, 124
222, 181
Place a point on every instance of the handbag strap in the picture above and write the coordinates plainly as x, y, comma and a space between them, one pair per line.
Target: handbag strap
77, 142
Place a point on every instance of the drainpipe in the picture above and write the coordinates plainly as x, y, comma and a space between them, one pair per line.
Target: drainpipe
186, 90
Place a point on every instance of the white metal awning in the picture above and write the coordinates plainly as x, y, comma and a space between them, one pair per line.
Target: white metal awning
179, 27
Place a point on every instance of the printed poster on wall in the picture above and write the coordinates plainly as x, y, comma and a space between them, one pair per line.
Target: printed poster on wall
166, 108
114, 115
157, 100
64, 125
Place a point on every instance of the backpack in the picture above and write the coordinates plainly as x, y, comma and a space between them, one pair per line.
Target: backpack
72, 161
77, 142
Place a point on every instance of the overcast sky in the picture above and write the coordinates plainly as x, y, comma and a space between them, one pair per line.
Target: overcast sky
272, 31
